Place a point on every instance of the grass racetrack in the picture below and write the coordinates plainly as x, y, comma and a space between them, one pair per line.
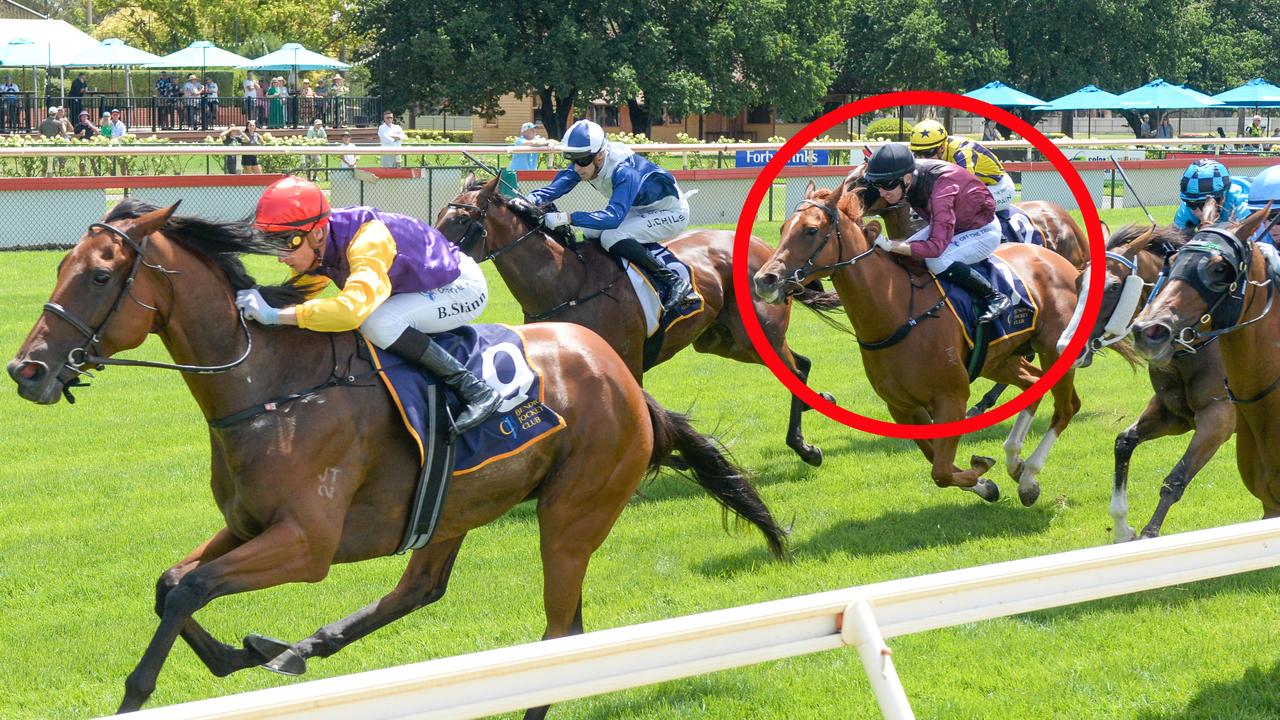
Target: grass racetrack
97, 499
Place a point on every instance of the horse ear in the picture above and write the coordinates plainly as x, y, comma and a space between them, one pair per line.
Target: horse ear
469, 180
872, 230
809, 190
1139, 243
149, 222
1252, 223
490, 188
833, 200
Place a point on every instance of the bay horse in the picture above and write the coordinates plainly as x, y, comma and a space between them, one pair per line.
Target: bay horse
922, 374
1219, 288
311, 465
1188, 386
586, 286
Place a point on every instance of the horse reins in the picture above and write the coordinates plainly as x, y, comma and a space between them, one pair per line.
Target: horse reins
797, 277
84, 355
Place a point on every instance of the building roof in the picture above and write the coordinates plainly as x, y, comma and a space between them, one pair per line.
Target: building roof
17, 11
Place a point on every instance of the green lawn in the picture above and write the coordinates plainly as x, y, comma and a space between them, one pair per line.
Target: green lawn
97, 499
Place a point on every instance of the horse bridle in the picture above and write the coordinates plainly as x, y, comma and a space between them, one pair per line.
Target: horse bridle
85, 354
477, 229
1220, 296
796, 279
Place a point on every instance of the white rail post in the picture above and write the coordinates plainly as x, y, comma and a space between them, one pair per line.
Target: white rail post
860, 629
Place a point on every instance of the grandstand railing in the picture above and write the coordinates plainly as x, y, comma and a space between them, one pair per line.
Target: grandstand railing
496, 681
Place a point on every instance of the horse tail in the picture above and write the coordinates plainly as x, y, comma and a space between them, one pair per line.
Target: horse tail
713, 470
826, 305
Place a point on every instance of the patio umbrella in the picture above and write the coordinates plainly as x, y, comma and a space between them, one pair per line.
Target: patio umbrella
1160, 95
1255, 93
113, 52
22, 52
1089, 97
199, 54
293, 56
1001, 95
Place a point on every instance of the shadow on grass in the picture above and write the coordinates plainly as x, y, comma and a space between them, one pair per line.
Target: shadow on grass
1256, 695
896, 532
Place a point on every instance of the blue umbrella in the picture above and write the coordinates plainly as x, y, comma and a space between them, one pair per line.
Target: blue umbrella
1089, 97
1001, 95
293, 56
1160, 95
1255, 93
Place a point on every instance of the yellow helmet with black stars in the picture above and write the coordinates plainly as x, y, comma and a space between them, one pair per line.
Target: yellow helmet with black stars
927, 135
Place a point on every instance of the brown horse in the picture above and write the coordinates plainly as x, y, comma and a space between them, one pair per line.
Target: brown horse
311, 464
1188, 385
585, 286
1220, 289
922, 375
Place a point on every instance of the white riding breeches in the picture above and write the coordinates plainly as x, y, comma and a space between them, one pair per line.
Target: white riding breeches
445, 308
968, 247
660, 221
1002, 192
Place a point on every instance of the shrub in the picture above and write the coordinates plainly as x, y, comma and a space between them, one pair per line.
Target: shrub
425, 137
889, 129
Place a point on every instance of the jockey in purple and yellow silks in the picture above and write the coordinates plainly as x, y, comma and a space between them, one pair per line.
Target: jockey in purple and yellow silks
400, 281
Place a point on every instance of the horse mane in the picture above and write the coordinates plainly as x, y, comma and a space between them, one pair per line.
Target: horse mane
1168, 235
222, 243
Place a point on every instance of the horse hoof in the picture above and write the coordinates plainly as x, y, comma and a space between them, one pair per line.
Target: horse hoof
1015, 470
1029, 494
986, 490
288, 662
825, 396
975, 411
266, 647
1125, 534
981, 462
811, 454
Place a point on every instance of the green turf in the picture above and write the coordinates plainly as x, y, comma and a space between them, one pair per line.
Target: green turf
97, 499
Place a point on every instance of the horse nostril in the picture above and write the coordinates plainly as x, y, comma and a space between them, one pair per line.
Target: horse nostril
26, 373
1156, 333
767, 279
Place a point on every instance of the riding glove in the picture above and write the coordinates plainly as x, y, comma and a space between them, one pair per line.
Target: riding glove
255, 307
553, 220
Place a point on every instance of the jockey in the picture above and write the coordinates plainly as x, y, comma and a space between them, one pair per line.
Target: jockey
960, 213
929, 140
1264, 189
1202, 180
400, 281
645, 204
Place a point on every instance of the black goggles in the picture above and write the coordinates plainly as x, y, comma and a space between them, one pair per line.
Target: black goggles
581, 160
887, 185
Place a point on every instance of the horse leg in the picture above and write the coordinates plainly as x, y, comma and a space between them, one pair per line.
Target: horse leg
221, 659
1066, 403
1155, 421
988, 401
1214, 424
283, 553
942, 451
1018, 372
423, 582
811, 454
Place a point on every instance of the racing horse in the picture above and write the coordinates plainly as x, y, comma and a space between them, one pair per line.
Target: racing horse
917, 367
1188, 385
586, 286
1221, 287
297, 500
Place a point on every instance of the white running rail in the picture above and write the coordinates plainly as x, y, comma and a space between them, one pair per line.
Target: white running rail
495, 681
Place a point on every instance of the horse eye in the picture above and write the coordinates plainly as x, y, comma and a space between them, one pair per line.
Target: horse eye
459, 219
101, 277
811, 231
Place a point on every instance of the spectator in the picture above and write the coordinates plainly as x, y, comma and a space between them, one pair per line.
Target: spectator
118, 128
210, 100
67, 128
276, 95
528, 137
989, 131
51, 126
191, 91
164, 100
1166, 128
315, 132
1256, 130
322, 98
104, 125
338, 91
85, 129
251, 93
349, 160
249, 163
9, 118
307, 102
390, 135
1145, 130
233, 136
78, 87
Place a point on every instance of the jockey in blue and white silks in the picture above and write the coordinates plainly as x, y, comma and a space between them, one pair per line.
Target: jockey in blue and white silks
1264, 189
645, 203
1210, 178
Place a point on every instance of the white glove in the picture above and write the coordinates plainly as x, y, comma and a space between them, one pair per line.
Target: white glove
553, 220
255, 307
884, 243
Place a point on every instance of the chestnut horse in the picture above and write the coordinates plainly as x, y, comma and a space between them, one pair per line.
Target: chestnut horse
1219, 288
585, 286
922, 374
311, 464
1188, 385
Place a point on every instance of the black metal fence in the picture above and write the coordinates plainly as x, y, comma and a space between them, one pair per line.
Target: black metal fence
23, 113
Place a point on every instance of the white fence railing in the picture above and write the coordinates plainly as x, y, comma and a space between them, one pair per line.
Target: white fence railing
536, 674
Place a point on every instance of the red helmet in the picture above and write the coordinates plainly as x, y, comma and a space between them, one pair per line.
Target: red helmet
291, 204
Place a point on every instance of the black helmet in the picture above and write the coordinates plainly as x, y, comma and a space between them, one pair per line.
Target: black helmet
889, 162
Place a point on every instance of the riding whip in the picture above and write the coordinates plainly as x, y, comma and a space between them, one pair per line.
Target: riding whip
1132, 190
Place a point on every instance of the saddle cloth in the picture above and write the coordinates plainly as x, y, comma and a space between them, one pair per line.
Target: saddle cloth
646, 290
1019, 319
1024, 227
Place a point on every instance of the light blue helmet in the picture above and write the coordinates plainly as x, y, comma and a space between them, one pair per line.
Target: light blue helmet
1265, 189
1204, 178
583, 139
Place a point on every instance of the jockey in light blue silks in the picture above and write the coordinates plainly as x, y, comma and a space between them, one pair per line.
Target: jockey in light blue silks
1202, 180
645, 204
1264, 189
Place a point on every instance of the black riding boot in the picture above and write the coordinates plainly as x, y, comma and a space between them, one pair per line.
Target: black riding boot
977, 285
1007, 233
482, 400
674, 289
